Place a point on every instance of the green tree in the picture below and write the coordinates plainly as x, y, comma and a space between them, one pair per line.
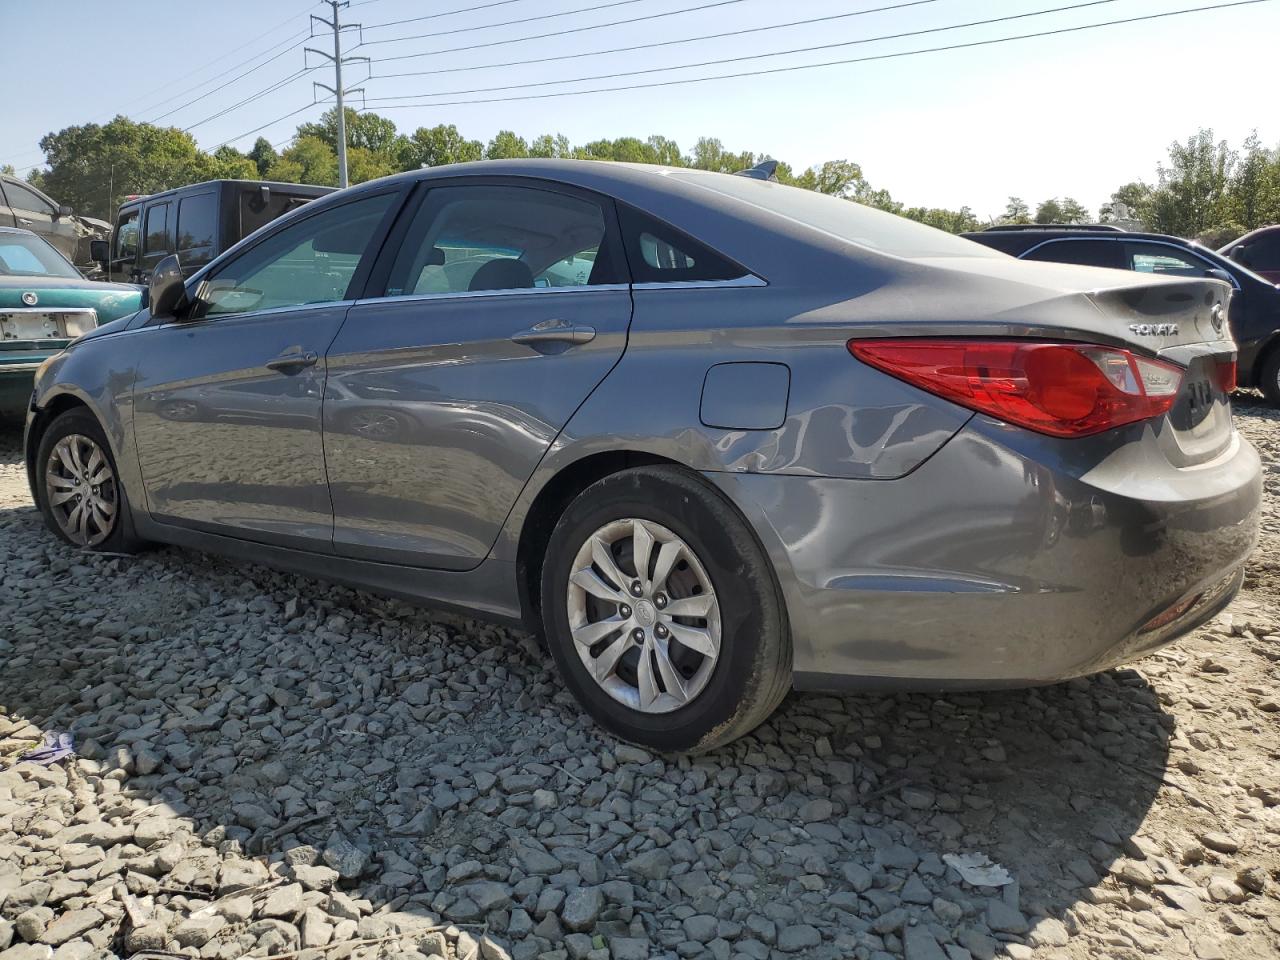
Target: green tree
547, 146
437, 146
1130, 202
309, 160
1255, 186
91, 166
1193, 193
8, 170
1016, 211
368, 131
263, 155
1049, 212
231, 164
506, 145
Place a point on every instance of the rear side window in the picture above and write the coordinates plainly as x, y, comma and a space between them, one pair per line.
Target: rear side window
24, 198
260, 205
197, 221
156, 230
127, 236
1262, 253
659, 253
1087, 253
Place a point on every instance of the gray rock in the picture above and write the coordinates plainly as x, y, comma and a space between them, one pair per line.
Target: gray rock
350, 860
652, 865
582, 908
628, 948
919, 944
31, 924
284, 903
1003, 918
797, 937
197, 931
70, 925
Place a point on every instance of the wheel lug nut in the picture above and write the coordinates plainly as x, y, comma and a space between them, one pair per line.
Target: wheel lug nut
636, 588
624, 611
661, 631
637, 635
660, 601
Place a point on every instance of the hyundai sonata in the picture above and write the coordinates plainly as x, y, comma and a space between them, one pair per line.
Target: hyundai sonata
711, 436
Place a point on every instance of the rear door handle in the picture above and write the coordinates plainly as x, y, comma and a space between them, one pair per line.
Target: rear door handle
294, 361
554, 331
23, 220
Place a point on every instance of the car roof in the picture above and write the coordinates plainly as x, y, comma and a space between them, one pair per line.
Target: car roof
29, 233
298, 189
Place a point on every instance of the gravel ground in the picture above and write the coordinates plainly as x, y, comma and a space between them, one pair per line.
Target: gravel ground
270, 765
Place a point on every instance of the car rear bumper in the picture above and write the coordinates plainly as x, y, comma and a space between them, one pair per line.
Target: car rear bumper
1003, 564
17, 377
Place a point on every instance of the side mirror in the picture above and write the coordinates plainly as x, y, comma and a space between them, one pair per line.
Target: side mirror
168, 297
1217, 273
64, 211
100, 251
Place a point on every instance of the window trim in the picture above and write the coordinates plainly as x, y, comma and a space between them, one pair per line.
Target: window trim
144, 231
380, 275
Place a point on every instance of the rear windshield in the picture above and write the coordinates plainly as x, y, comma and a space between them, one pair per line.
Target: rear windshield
26, 255
842, 219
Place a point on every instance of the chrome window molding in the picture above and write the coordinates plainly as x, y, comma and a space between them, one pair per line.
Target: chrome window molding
1120, 238
749, 280
515, 292
254, 314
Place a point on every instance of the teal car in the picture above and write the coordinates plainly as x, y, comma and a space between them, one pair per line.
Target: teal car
45, 303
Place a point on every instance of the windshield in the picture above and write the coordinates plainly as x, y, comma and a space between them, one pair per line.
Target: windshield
26, 255
843, 219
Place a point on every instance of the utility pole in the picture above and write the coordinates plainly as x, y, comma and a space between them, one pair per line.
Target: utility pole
339, 92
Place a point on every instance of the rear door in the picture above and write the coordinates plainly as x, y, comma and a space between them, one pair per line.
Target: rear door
125, 243
196, 230
227, 401
500, 306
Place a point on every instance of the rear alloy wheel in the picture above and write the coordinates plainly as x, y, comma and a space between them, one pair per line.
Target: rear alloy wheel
79, 487
662, 611
643, 614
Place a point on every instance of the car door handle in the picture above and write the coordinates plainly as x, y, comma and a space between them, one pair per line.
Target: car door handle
554, 331
294, 361
23, 220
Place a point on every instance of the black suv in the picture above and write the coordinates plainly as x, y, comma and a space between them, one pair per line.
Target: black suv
196, 222
1255, 307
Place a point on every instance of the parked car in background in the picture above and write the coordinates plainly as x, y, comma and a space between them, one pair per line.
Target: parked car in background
45, 302
25, 207
1259, 251
196, 222
712, 436
1254, 312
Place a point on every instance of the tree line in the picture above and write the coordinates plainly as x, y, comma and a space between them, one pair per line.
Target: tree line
1206, 189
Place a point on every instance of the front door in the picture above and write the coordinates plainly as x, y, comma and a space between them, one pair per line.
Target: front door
227, 401
37, 213
505, 306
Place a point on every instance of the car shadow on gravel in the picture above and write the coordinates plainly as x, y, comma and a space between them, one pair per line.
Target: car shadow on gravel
437, 765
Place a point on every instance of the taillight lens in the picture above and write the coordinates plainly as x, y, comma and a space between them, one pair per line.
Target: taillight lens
1226, 375
1062, 389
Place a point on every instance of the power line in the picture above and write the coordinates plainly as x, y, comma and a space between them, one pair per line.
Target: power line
269, 123
558, 33
436, 16
491, 26
754, 56
227, 83
251, 98
830, 63
655, 44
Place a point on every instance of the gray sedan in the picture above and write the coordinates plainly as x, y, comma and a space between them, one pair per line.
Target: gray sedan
711, 436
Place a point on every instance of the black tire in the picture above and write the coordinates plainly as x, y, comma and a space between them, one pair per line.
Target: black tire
1269, 378
121, 537
752, 673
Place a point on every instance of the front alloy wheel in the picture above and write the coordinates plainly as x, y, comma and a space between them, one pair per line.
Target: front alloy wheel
80, 489
644, 616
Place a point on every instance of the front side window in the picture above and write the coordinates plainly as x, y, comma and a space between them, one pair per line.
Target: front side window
310, 261
157, 229
1166, 261
197, 221
127, 236
23, 255
479, 238
24, 198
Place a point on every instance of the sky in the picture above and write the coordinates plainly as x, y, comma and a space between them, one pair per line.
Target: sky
1075, 114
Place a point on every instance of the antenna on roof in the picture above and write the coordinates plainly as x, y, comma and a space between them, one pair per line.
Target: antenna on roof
764, 170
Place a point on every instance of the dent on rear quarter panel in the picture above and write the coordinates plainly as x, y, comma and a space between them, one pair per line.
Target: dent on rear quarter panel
842, 418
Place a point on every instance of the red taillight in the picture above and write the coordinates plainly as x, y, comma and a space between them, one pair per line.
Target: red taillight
1062, 389
1225, 372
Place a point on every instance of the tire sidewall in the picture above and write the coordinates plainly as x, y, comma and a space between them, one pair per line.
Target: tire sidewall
740, 577
85, 424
